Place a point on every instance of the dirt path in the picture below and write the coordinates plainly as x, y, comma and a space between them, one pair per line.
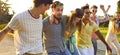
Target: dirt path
7, 47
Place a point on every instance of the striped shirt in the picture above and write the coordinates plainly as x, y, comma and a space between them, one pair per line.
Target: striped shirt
28, 33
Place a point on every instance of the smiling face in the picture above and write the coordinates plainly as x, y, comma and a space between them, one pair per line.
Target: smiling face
117, 15
94, 11
57, 12
87, 13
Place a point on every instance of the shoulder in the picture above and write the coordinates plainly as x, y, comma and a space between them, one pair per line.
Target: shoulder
45, 20
21, 14
93, 23
64, 18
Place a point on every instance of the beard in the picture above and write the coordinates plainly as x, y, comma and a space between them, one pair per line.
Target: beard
57, 18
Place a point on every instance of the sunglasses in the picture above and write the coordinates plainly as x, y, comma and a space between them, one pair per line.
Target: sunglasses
87, 12
94, 10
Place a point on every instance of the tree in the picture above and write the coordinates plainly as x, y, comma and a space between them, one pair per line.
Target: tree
4, 11
118, 6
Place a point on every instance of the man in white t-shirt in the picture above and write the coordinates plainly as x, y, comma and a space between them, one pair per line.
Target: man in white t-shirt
28, 29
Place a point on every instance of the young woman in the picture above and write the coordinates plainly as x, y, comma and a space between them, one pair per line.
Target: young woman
111, 38
70, 22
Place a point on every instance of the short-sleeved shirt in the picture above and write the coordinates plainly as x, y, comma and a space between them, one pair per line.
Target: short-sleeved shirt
54, 36
84, 39
28, 33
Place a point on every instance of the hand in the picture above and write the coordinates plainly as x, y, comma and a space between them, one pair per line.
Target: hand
102, 7
109, 6
66, 34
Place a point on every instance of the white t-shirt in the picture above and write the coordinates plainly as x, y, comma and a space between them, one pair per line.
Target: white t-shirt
28, 33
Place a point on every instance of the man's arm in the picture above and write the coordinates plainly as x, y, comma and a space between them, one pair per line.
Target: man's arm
103, 40
4, 32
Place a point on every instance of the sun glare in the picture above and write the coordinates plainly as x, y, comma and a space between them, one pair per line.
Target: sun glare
21, 5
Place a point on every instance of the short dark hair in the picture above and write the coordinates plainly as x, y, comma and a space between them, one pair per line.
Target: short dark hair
39, 2
84, 7
56, 3
94, 6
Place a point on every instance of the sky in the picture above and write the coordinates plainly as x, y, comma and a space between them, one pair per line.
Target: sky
21, 5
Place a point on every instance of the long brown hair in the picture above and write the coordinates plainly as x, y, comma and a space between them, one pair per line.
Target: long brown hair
118, 28
70, 26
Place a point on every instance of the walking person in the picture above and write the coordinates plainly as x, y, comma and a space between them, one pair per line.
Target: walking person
111, 37
97, 20
70, 23
84, 32
28, 29
52, 30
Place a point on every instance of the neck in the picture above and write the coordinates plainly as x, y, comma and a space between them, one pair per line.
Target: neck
53, 19
85, 20
34, 12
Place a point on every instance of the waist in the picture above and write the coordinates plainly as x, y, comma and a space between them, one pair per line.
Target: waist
38, 48
33, 54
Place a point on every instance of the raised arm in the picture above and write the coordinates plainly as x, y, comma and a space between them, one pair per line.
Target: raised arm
106, 16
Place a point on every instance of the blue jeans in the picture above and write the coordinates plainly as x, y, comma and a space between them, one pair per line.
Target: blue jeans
55, 53
76, 52
94, 42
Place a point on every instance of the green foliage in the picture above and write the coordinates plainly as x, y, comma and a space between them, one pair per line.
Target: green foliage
104, 24
118, 6
4, 12
2, 26
45, 15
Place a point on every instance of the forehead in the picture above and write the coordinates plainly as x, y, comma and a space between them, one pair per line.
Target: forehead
59, 7
93, 8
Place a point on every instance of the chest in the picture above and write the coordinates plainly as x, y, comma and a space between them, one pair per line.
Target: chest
30, 25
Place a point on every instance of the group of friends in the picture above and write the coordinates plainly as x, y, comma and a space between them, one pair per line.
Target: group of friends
57, 34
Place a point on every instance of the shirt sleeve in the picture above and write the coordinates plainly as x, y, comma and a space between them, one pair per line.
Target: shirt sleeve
95, 27
14, 23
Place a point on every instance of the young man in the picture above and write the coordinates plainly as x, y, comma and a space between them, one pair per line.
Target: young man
84, 42
28, 29
52, 28
111, 37
97, 20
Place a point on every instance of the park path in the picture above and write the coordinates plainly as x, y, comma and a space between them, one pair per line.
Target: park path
7, 47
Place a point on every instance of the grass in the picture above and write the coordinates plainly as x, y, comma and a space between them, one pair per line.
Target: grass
104, 31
